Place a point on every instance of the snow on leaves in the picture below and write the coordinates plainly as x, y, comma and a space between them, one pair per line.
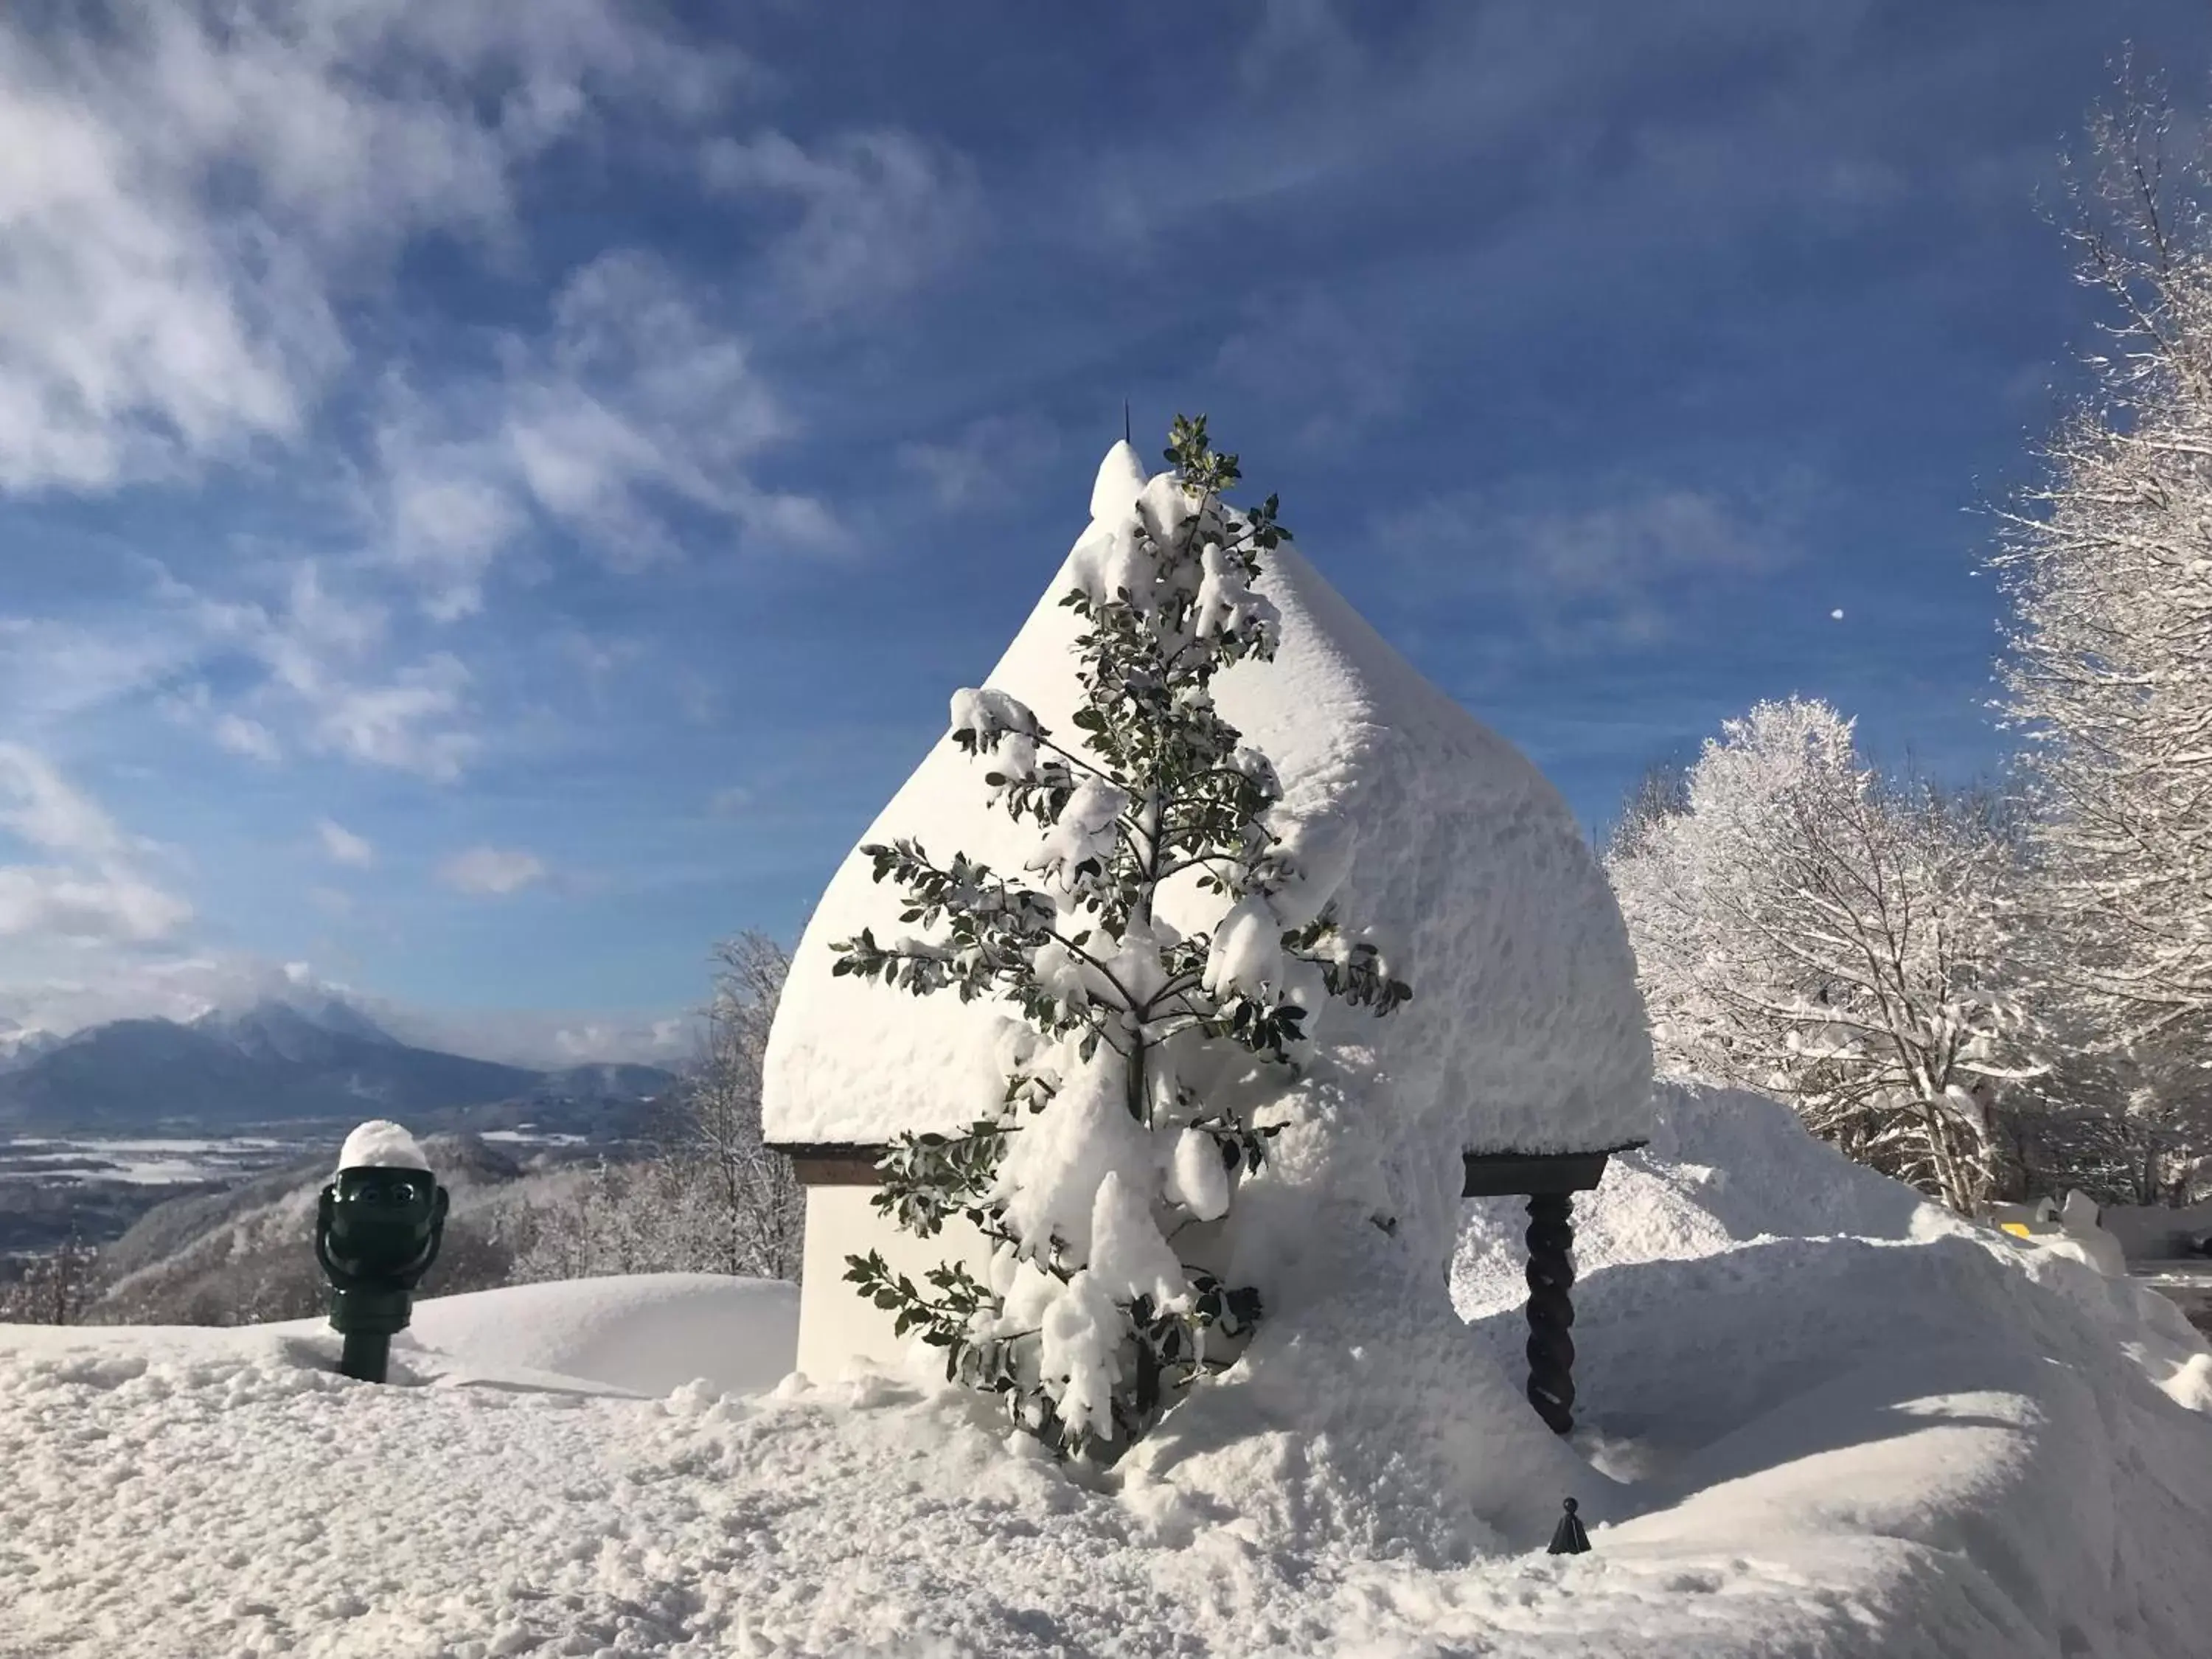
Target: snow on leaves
1101, 1152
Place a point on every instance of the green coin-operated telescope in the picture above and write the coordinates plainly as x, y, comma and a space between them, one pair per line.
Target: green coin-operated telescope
378, 1227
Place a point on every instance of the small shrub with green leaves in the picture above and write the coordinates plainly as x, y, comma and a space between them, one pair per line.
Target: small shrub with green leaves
1111, 1152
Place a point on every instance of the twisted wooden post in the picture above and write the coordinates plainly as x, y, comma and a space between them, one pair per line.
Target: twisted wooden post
1551, 1311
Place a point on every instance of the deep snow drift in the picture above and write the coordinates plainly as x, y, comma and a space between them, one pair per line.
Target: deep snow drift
1854, 1426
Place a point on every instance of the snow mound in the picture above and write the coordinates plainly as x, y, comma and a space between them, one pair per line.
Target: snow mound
1723, 1167
1798, 1358
1845, 1425
647, 1332
644, 1334
381, 1144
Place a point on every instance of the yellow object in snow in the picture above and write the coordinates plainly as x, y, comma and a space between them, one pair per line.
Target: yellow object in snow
2017, 1228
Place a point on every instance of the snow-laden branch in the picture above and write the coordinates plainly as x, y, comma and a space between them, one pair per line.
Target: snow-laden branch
1803, 927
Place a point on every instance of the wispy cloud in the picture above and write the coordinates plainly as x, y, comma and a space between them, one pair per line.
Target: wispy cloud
87, 986
247, 737
734, 801
634, 405
342, 846
876, 212
549, 1040
986, 464
323, 652
492, 872
446, 521
407, 722
53, 671
1304, 350
639, 400
209, 180
92, 887
1616, 571
640, 393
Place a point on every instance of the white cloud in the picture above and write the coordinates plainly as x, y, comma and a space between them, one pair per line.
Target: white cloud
546, 1040
191, 203
446, 528
64, 985
249, 737
321, 650
189, 188
733, 802
492, 870
1611, 572
58, 902
1661, 532
38, 806
333, 901
639, 398
91, 887
51, 672
665, 1041
343, 847
879, 211
988, 461
637, 392
597, 659
407, 723
1307, 351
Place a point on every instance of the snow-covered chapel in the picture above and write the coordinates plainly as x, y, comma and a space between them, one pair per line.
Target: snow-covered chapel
1525, 1037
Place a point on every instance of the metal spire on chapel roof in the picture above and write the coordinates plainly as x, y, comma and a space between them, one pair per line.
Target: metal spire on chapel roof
1125, 419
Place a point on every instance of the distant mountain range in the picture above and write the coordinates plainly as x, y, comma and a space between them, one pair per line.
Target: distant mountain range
21, 1044
286, 1062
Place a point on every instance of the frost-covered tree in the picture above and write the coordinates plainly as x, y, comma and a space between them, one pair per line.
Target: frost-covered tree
2108, 563
1663, 792
749, 1210
1805, 927
711, 1196
1108, 1161
54, 1289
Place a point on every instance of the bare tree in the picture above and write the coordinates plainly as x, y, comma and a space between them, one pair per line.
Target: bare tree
55, 1288
755, 1206
713, 1198
1663, 792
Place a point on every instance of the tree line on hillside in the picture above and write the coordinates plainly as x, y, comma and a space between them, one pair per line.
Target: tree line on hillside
2006, 990
705, 1196
713, 1198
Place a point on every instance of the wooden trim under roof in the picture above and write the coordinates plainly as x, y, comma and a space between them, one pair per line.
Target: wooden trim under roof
1488, 1174
818, 1164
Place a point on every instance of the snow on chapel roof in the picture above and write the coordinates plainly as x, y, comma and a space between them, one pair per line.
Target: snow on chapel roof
1526, 1032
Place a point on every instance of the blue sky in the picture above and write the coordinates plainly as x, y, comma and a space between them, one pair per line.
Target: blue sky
493, 498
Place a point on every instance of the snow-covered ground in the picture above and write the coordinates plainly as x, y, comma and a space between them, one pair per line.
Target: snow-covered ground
156, 1162
1836, 1422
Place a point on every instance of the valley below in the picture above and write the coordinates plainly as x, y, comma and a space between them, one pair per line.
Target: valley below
102, 1127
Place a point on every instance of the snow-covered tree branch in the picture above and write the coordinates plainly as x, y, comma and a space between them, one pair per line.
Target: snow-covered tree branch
1804, 926
713, 1198
2108, 563
1109, 1143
